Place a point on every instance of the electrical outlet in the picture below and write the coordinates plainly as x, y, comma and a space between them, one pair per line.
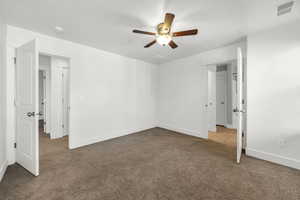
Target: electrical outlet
282, 142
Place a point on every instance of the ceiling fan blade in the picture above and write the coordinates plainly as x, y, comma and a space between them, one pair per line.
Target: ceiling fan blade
150, 44
169, 19
172, 44
185, 33
143, 32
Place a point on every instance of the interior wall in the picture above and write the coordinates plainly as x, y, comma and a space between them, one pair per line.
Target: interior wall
111, 95
274, 95
181, 98
3, 152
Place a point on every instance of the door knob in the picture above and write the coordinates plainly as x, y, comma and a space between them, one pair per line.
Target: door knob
30, 114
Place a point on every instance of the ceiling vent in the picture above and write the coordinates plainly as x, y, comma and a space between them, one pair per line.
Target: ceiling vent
285, 8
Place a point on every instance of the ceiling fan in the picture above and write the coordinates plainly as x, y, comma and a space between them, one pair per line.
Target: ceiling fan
164, 35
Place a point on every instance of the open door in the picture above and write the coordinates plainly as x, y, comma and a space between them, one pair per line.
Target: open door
239, 111
211, 109
27, 114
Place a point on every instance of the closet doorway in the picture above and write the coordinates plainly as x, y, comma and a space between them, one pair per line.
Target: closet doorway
53, 104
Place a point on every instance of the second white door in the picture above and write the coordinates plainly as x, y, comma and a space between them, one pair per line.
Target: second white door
221, 98
211, 98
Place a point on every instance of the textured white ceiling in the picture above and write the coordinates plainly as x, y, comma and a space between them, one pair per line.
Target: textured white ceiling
108, 24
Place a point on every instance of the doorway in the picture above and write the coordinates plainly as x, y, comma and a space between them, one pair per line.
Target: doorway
53, 104
222, 94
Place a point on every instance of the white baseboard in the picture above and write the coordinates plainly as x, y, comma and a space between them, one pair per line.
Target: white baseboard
273, 158
184, 131
3, 168
112, 136
230, 126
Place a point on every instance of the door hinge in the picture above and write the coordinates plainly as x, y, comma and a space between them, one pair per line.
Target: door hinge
15, 60
15, 145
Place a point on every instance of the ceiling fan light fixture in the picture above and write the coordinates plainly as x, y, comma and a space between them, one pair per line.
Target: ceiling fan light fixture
164, 36
163, 39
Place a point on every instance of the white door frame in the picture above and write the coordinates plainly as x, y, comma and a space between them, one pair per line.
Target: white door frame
37, 103
240, 111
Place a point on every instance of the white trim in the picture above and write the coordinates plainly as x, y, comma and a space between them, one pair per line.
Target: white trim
230, 126
101, 138
293, 163
3, 169
183, 131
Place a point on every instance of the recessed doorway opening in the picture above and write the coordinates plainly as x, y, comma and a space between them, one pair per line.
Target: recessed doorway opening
53, 104
222, 95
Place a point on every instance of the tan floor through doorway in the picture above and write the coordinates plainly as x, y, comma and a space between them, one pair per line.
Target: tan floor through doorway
48, 146
224, 136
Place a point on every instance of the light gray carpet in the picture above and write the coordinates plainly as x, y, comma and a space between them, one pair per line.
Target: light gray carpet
152, 165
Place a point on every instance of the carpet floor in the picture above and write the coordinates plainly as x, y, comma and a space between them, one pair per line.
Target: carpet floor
156, 164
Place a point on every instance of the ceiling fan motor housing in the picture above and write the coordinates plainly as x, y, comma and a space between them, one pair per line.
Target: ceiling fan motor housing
163, 35
162, 29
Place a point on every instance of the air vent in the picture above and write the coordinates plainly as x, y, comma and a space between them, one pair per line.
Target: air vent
285, 8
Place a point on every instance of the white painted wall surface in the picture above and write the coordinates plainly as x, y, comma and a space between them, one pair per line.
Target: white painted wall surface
274, 95
180, 94
111, 95
3, 152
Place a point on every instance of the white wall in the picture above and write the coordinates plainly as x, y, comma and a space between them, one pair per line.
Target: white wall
274, 95
111, 95
3, 152
181, 91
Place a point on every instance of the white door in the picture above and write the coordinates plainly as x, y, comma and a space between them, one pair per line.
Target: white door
203, 102
56, 102
221, 98
239, 111
65, 100
27, 108
47, 95
211, 110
